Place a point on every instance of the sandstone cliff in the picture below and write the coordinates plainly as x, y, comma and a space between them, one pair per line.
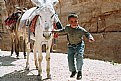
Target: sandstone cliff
102, 18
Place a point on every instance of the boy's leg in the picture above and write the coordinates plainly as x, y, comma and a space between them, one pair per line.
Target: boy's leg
79, 59
71, 64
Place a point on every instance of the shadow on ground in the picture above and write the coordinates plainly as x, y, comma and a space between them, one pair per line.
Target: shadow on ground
21, 75
7, 61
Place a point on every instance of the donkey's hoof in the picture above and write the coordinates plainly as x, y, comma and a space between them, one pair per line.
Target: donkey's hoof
24, 57
36, 68
11, 53
39, 77
27, 68
48, 76
17, 57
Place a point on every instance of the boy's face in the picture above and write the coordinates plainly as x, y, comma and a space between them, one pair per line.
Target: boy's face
73, 22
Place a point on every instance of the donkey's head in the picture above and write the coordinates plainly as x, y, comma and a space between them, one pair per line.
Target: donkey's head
41, 2
46, 12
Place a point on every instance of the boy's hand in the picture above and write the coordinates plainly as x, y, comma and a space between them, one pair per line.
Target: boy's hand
54, 31
91, 39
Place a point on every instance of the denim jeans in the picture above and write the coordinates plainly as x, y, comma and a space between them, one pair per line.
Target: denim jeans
75, 51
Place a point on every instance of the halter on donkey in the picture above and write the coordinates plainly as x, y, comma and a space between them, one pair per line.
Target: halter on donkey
43, 31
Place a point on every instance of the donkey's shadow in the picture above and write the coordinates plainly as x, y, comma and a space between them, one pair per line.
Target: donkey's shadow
21, 75
7, 61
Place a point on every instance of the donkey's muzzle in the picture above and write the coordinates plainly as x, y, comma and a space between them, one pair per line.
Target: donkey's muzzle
47, 35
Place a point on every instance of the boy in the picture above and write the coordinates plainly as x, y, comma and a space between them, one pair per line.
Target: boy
75, 44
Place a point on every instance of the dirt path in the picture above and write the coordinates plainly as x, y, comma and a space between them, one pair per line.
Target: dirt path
12, 69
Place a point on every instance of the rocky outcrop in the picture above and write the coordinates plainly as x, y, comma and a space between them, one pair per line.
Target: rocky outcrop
7, 7
3, 13
94, 15
102, 18
12, 4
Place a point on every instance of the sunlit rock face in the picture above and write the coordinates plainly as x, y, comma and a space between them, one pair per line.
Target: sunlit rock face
102, 18
12, 4
7, 7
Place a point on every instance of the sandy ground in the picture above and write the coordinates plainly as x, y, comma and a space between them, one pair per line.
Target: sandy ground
12, 69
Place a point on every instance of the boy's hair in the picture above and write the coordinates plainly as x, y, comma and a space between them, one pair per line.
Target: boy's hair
72, 15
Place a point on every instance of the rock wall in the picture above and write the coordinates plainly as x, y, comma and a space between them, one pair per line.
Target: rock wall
7, 7
102, 18
11, 4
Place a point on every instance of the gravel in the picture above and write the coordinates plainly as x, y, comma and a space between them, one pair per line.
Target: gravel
12, 69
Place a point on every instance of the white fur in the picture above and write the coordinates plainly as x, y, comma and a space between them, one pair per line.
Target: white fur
43, 34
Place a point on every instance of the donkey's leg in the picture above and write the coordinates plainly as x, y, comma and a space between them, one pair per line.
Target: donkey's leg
11, 47
24, 49
12, 40
48, 60
17, 47
28, 52
35, 57
40, 58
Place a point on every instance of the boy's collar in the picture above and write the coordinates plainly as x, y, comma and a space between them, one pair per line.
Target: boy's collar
75, 27
70, 26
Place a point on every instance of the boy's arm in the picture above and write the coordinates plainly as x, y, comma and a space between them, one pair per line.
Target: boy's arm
91, 39
59, 31
88, 35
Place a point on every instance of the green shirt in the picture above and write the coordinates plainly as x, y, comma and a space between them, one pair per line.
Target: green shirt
75, 35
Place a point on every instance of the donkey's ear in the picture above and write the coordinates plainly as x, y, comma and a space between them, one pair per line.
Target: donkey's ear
37, 2
54, 2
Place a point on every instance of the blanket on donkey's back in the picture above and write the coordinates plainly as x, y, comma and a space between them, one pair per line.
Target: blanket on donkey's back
33, 23
12, 19
57, 25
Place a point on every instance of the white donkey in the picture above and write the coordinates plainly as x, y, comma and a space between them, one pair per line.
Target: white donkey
43, 31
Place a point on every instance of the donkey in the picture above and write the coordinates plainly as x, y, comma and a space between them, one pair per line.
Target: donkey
43, 31
13, 22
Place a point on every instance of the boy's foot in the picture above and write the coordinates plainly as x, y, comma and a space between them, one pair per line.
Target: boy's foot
73, 74
79, 75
